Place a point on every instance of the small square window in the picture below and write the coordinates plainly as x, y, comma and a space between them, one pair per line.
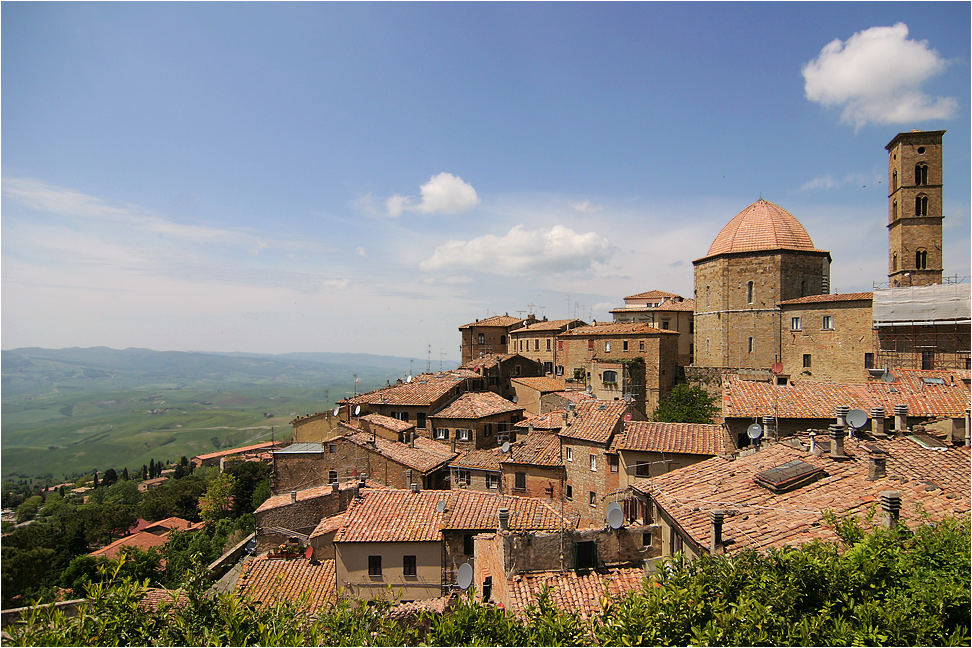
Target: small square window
868, 360
332, 448
796, 324
408, 566
624, 345
828, 322
613, 463
374, 565
463, 434
607, 347
592, 498
441, 433
806, 360
645, 539
569, 494
641, 345
519, 481
462, 476
568, 453
332, 477
492, 481
593, 463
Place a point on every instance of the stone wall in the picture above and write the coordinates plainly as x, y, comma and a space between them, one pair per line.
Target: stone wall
837, 354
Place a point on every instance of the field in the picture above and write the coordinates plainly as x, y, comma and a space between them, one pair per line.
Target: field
70, 412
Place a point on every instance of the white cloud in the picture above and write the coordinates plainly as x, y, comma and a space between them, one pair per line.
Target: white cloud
442, 194
851, 179
586, 207
521, 251
876, 75
360, 251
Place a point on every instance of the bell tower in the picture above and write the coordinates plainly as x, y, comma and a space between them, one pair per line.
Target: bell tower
915, 208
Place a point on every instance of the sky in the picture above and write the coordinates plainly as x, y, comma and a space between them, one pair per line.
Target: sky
365, 177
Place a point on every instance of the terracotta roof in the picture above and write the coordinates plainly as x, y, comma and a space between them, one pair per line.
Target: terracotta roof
812, 399
154, 597
478, 510
484, 459
284, 499
552, 325
576, 395
476, 405
682, 438
272, 580
618, 328
761, 226
142, 540
425, 456
436, 606
573, 592
424, 390
548, 421
596, 420
169, 524
653, 294
329, 524
757, 517
819, 299
542, 383
387, 422
232, 451
537, 449
496, 320
687, 305
393, 516
487, 361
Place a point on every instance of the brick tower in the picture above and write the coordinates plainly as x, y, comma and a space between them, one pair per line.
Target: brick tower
915, 208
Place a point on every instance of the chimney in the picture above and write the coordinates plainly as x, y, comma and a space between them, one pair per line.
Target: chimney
408, 476
414, 487
769, 428
335, 487
293, 497
841, 412
891, 506
837, 435
877, 466
717, 517
901, 418
813, 443
411, 440
877, 421
363, 482
504, 519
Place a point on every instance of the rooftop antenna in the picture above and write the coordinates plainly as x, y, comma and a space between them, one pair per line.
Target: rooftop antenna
428, 360
355, 383
410, 366
442, 354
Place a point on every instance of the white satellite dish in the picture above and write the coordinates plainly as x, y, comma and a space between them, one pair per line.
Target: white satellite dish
408, 378
887, 377
465, 576
516, 399
615, 515
440, 506
857, 418
506, 446
337, 410
755, 431
357, 410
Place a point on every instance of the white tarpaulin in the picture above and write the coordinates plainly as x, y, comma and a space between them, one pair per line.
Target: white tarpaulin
947, 303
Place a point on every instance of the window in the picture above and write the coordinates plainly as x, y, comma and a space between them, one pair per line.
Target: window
828, 323
560, 345
487, 588
666, 324
752, 344
492, 480
921, 205
519, 481
613, 463
502, 339
691, 325
894, 261
868, 360
921, 260
607, 347
521, 345
796, 324
641, 345
569, 493
749, 292
332, 448
401, 416
624, 345
645, 539
408, 566
806, 360
481, 339
488, 429
592, 498
927, 360
593, 462
462, 477
568, 453
586, 557
894, 209
517, 369
547, 367
332, 477
374, 565
548, 344
560, 370
590, 344
467, 544
921, 174
536, 344
441, 433
463, 434
707, 296
894, 180
643, 469
609, 377
420, 420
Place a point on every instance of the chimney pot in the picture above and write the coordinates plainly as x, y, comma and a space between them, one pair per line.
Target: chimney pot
293, 496
718, 517
335, 487
877, 421
841, 413
837, 435
877, 466
414, 487
901, 418
768, 427
504, 519
891, 505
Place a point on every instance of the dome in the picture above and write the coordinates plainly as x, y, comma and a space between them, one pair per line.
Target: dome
761, 226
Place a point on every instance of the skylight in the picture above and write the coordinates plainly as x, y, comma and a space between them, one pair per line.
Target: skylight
788, 476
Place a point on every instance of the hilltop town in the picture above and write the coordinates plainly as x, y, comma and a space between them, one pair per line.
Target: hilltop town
539, 464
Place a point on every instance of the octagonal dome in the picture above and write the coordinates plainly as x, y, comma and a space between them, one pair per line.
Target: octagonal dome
761, 226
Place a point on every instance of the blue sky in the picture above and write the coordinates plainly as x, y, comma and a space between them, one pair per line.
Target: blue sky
275, 177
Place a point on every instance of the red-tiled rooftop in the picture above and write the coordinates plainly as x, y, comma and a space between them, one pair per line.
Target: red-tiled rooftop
618, 328
574, 592
596, 420
826, 299
813, 399
393, 516
272, 580
543, 384
387, 422
477, 510
762, 226
285, 499
653, 294
536, 449
250, 448
551, 325
549, 421
496, 320
476, 405
424, 390
424, 456
931, 483
487, 361
682, 438
482, 459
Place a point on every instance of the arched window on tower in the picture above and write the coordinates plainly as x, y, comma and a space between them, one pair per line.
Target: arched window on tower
894, 209
894, 180
921, 205
749, 292
894, 262
921, 259
706, 296
921, 174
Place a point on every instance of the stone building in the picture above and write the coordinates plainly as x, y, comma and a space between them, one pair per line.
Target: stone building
663, 310
475, 420
762, 257
828, 337
915, 210
539, 341
499, 370
646, 449
490, 335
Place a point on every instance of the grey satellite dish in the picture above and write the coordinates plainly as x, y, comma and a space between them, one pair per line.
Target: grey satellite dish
887, 377
357, 410
337, 410
465, 576
627, 398
615, 515
440, 506
590, 389
857, 418
506, 446
755, 431
516, 399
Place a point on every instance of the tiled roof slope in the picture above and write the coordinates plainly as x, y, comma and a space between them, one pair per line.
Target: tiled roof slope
329, 524
250, 448
142, 540
542, 383
817, 399
826, 299
548, 421
573, 592
425, 456
685, 306
476, 405
683, 438
387, 422
595, 420
477, 510
537, 449
653, 294
495, 320
393, 516
483, 459
270, 581
761, 226
552, 325
487, 361
759, 518
618, 328
284, 499
424, 390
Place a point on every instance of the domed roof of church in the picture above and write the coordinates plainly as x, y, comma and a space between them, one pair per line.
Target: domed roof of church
761, 226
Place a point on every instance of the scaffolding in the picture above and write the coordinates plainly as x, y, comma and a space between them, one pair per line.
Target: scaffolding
923, 327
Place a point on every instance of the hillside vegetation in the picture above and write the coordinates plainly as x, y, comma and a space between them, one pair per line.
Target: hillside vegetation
68, 411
